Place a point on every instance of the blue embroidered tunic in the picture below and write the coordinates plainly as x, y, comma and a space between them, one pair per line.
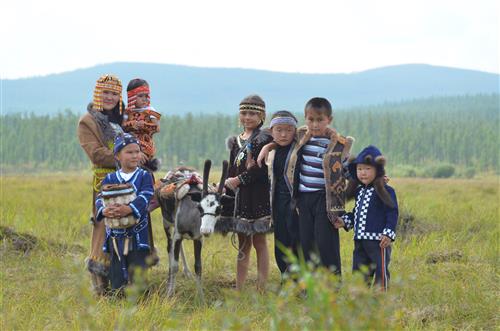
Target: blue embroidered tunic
142, 183
371, 218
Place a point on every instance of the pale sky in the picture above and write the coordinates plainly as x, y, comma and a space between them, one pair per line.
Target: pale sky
51, 36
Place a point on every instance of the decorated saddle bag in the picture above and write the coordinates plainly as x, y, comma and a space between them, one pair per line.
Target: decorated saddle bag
118, 194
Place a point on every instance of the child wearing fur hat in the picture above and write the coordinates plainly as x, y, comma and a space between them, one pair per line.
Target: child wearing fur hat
250, 185
142, 120
129, 244
374, 217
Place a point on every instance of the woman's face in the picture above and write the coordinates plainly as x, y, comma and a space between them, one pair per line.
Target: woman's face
250, 119
283, 134
110, 99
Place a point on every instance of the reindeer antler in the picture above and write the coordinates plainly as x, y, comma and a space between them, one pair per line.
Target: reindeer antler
206, 173
223, 176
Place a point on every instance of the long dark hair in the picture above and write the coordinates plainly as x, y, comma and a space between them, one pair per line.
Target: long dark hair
114, 115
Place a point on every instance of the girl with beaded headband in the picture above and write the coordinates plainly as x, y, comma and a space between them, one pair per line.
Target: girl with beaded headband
251, 212
96, 132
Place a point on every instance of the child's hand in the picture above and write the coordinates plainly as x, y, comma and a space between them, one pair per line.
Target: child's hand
232, 183
111, 211
338, 223
264, 152
139, 124
122, 210
108, 212
386, 179
385, 242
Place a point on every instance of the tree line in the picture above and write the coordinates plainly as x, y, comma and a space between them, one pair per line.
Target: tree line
458, 130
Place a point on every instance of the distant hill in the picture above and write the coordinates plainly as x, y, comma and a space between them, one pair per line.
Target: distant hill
181, 89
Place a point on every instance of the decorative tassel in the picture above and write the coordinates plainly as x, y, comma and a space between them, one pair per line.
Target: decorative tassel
115, 247
125, 249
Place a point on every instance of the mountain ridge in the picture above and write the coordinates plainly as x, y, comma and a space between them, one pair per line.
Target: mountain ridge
177, 89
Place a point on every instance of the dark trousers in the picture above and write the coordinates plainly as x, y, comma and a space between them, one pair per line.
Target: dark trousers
367, 255
316, 232
286, 228
135, 258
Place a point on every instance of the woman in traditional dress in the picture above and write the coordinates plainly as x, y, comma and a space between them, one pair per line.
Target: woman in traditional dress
96, 132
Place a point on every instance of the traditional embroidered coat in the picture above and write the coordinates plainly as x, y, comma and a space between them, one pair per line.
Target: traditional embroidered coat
145, 134
335, 183
252, 210
371, 218
142, 182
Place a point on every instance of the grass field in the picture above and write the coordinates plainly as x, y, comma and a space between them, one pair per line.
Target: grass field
444, 266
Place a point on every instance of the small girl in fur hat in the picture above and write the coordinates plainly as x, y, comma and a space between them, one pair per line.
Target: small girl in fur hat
142, 120
374, 216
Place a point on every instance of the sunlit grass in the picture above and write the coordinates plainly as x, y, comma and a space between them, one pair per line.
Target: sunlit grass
455, 222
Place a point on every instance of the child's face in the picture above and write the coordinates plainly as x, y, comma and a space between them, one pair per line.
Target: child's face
366, 173
141, 100
110, 99
283, 134
250, 119
129, 157
317, 122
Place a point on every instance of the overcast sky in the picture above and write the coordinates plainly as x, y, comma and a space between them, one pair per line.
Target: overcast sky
42, 37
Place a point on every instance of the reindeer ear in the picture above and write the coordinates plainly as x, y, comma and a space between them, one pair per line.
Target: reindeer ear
368, 159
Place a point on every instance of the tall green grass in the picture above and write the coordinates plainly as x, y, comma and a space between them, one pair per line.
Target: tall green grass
444, 268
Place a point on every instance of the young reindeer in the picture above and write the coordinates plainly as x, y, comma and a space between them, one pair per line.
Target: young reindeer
211, 206
187, 223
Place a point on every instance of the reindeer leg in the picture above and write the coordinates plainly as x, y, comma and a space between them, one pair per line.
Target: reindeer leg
185, 270
197, 268
197, 257
168, 232
174, 264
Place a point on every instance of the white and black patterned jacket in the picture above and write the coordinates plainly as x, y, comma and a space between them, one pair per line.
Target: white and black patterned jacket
371, 218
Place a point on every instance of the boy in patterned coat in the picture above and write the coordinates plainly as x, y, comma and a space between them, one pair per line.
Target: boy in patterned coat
129, 247
374, 217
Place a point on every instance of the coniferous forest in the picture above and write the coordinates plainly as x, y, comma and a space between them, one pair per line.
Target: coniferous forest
461, 131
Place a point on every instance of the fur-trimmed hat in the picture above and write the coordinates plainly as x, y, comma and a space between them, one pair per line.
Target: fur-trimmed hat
371, 155
123, 140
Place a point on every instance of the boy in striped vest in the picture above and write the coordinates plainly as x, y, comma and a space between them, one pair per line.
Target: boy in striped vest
316, 170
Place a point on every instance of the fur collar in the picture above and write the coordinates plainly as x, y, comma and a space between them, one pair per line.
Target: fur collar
108, 129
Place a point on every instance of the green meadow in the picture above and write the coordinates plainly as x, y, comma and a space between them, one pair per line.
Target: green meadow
444, 269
